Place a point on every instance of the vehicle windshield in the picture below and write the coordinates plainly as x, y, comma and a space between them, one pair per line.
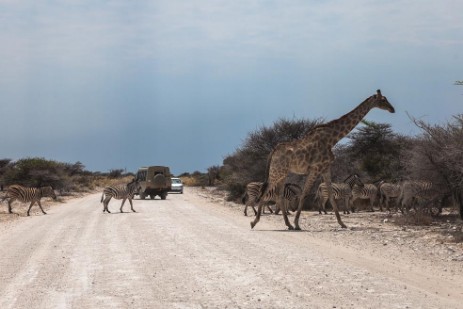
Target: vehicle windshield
176, 181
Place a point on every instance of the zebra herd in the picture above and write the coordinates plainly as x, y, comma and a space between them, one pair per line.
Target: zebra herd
407, 194
33, 195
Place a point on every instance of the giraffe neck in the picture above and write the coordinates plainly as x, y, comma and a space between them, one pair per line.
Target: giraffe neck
342, 126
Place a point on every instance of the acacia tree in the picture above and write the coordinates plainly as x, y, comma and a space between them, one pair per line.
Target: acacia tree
438, 155
373, 149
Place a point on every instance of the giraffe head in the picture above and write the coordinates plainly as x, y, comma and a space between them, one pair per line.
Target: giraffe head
381, 102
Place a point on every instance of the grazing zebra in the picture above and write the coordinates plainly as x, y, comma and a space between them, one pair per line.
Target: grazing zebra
386, 192
411, 190
368, 192
121, 192
341, 191
291, 192
26, 195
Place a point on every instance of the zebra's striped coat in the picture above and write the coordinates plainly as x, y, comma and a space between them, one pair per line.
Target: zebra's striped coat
411, 190
28, 194
121, 192
386, 192
291, 192
368, 192
341, 191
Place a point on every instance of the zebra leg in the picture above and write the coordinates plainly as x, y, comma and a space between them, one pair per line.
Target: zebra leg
322, 205
10, 201
105, 204
371, 204
346, 206
284, 211
30, 206
327, 179
254, 208
40, 205
270, 209
246, 210
131, 205
122, 205
352, 207
386, 200
381, 201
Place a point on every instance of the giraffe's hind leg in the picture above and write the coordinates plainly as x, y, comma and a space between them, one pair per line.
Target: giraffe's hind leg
257, 218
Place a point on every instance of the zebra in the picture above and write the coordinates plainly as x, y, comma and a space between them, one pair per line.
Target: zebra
368, 192
120, 192
411, 191
387, 191
249, 198
341, 191
28, 194
291, 192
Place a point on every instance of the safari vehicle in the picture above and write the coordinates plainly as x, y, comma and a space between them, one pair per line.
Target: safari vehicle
154, 180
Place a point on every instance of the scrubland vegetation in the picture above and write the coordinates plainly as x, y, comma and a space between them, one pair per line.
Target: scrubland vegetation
373, 151
66, 178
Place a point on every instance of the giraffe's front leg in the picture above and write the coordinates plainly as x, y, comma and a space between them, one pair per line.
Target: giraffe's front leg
257, 218
311, 177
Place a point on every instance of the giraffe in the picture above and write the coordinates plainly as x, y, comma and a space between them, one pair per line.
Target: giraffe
312, 156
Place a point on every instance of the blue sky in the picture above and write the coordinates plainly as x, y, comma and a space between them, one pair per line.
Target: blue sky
121, 84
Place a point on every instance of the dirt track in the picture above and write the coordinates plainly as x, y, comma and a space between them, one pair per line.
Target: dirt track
194, 251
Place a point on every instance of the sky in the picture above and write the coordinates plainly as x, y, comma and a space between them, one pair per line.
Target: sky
123, 84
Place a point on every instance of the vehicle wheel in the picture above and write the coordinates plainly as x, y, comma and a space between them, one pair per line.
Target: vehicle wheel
163, 195
142, 196
152, 196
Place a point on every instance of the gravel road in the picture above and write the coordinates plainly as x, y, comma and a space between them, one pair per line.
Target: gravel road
192, 251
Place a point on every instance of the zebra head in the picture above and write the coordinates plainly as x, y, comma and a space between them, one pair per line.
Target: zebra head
380, 101
352, 180
48, 192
